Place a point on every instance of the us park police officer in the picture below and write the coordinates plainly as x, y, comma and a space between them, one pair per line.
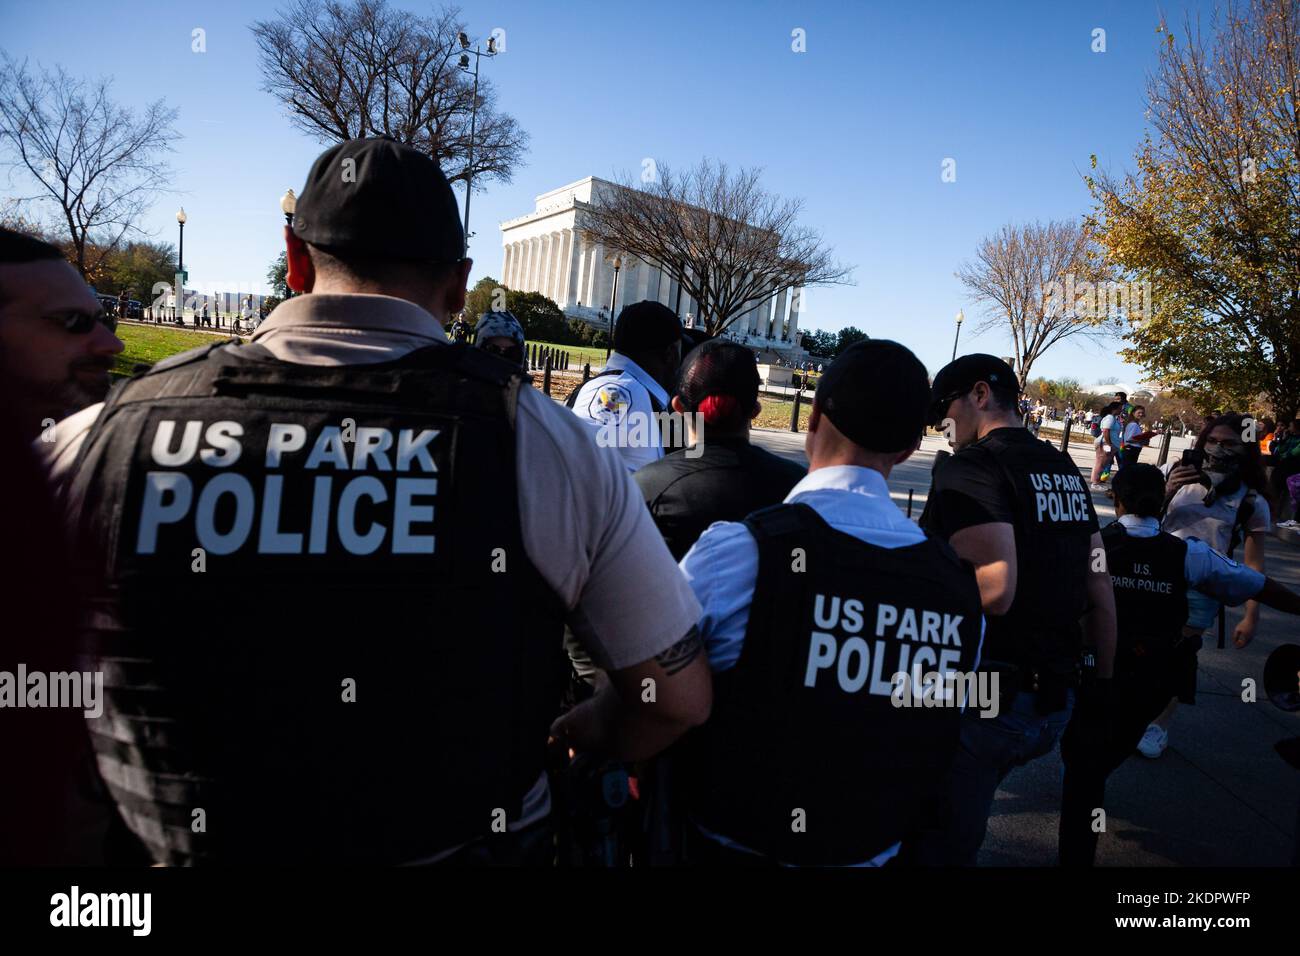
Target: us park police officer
336, 564
833, 617
1020, 512
1153, 573
622, 401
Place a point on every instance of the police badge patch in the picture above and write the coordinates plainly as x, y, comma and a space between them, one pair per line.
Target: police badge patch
610, 405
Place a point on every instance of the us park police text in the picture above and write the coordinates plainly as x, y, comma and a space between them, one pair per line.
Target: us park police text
920, 678
173, 496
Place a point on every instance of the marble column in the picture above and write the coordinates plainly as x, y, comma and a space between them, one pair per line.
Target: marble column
547, 271
544, 266
561, 267
778, 316
640, 290
553, 267
569, 271
584, 271
535, 266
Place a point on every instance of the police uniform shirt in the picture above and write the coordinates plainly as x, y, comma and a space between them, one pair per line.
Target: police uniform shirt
966, 493
722, 567
620, 413
1207, 570
584, 524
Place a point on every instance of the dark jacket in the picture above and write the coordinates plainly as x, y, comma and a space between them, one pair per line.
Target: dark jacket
729, 479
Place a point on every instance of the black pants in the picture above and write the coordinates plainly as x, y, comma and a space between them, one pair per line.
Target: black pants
1100, 738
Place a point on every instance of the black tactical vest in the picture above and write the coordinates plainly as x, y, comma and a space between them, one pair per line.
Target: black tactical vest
320, 635
1150, 580
806, 758
722, 479
1054, 523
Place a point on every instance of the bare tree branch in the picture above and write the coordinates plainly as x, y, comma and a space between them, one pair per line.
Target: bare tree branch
1040, 282
96, 162
728, 243
349, 68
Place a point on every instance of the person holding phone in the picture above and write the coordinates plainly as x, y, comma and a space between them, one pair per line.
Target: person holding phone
1216, 493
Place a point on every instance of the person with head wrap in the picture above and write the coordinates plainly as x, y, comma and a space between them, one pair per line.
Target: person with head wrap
720, 476
501, 334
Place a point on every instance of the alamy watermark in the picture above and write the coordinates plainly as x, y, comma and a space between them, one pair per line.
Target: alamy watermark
636, 429
1098, 300
77, 690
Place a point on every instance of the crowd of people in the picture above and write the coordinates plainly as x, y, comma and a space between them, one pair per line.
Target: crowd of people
359, 593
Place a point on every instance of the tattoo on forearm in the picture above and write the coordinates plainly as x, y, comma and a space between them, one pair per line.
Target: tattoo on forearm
681, 653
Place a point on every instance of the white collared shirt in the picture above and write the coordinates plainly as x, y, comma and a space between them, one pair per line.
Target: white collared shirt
620, 412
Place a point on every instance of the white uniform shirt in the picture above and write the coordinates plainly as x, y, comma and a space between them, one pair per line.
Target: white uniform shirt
620, 413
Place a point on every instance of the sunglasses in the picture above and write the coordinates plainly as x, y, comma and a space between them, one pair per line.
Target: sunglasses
939, 407
513, 353
80, 323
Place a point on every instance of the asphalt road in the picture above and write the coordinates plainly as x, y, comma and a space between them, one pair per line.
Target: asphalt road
1219, 796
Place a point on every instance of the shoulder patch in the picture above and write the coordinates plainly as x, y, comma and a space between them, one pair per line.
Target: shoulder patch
610, 403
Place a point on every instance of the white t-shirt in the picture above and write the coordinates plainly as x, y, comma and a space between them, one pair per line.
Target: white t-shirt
1107, 424
1188, 517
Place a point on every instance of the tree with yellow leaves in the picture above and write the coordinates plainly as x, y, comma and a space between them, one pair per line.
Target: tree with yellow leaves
1211, 217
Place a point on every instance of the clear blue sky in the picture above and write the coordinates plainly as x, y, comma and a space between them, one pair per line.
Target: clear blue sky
857, 126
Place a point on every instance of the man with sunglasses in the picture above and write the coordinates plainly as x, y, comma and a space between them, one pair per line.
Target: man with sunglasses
341, 557
1019, 511
56, 342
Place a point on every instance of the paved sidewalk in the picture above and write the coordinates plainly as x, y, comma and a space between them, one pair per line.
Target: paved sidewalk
1219, 796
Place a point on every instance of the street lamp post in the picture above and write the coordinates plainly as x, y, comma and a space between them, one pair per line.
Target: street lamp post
288, 203
473, 116
613, 297
961, 317
180, 265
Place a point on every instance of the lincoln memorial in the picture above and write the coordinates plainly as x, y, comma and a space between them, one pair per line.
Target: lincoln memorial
544, 251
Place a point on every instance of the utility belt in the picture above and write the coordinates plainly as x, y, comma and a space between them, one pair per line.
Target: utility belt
1049, 683
1144, 660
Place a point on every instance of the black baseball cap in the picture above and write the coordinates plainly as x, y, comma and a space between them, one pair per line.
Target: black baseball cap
644, 326
380, 198
876, 393
959, 377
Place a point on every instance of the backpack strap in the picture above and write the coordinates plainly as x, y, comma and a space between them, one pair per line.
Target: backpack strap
1245, 511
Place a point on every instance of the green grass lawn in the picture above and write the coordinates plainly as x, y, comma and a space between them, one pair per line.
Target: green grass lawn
150, 344
578, 353
147, 345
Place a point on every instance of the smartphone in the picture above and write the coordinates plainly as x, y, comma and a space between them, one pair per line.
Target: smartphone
1194, 457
